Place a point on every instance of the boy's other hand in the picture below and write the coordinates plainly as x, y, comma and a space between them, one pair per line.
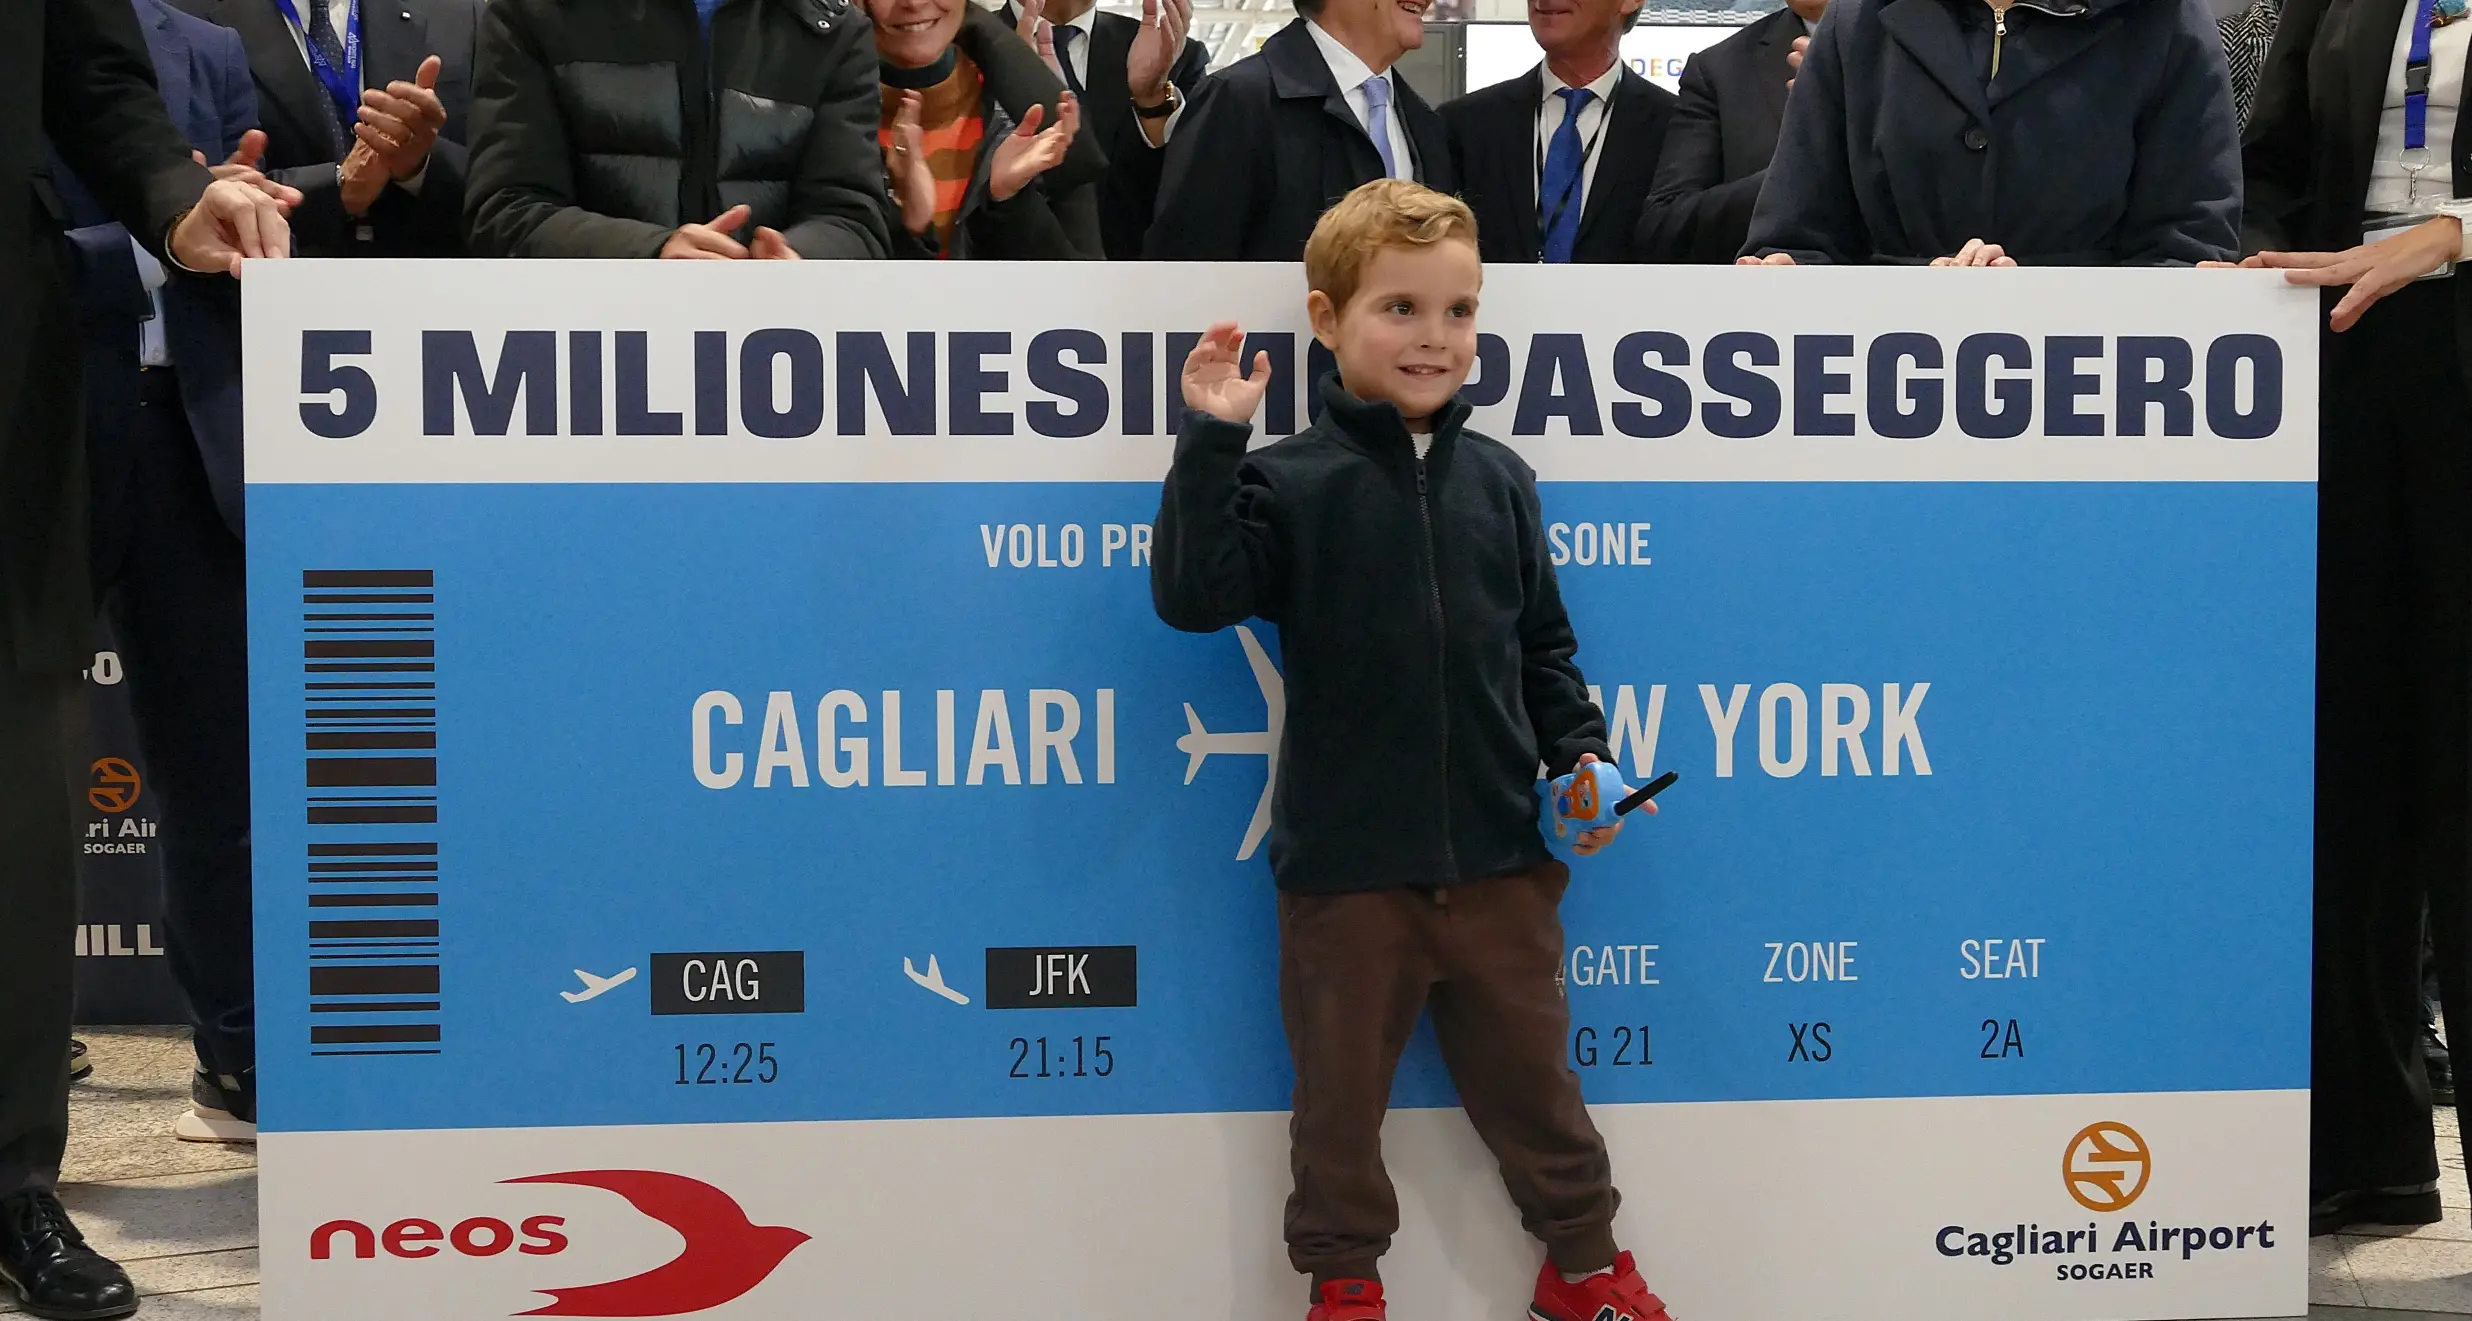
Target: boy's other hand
1212, 382
1591, 841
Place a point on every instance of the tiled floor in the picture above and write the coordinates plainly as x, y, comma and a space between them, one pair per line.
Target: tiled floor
183, 1217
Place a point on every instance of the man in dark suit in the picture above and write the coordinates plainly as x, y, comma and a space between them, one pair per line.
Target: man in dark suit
76, 71
1717, 148
1132, 77
376, 151
1271, 142
1556, 162
163, 436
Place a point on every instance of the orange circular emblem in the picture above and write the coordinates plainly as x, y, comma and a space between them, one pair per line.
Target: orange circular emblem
2106, 1167
115, 785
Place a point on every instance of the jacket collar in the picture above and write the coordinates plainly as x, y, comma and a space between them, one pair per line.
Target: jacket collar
1375, 427
1296, 68
1928, 31
1777, 33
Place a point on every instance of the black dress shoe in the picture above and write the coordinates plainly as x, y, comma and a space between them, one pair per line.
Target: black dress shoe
2415, 1205
45, 1259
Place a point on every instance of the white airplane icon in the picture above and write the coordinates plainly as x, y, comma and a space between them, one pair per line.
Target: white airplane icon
594, 986
933, 979
1263, 743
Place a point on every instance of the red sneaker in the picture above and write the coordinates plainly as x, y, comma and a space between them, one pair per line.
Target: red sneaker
1618, 1295
1349, 1300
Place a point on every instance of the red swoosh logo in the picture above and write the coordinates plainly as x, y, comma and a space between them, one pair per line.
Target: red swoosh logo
726, 1254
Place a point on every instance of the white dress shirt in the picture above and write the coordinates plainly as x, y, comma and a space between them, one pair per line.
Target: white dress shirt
1591, 127
2391, 187
339, 12
1352, 74
1076, 53
151, 350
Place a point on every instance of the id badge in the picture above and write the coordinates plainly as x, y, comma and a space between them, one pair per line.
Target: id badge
2382, 227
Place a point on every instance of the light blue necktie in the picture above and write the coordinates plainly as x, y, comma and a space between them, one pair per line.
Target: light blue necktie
1558, 200
1377, 122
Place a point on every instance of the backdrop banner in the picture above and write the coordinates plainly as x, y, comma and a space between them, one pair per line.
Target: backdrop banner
733, 837
123, 976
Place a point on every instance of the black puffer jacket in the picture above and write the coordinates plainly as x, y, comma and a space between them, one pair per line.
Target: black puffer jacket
600, 126
1056, 218
1427, 655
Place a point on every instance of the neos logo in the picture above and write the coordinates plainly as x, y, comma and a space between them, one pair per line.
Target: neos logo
2107, 1167
725, 1256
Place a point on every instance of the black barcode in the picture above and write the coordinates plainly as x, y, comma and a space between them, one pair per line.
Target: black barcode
370, 667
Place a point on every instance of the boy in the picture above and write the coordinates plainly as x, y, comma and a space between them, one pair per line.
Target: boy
1428, 666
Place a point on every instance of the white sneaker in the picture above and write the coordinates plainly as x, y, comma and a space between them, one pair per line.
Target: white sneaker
221, 1109
206, 1124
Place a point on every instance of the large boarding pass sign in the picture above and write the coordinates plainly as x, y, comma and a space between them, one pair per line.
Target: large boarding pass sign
734, 840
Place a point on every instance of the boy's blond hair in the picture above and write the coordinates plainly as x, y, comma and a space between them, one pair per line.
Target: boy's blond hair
1386, 213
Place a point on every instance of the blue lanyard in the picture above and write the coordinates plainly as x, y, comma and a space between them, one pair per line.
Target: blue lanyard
2416, 79
343, 86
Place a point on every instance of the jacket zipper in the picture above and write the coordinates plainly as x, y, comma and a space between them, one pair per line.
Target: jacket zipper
1441, 657
1999, 33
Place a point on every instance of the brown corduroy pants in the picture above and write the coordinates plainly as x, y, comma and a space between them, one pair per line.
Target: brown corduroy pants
1355, 972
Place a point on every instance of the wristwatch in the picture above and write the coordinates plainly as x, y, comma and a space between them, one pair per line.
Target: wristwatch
1163, 109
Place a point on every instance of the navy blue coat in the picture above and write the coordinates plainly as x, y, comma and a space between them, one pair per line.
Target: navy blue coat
2108, 138
204, 77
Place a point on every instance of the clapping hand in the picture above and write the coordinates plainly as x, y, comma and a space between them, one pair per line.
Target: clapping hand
1026, 152
905, 168
1794, 59
1212, 383
1041, 34
1156, 48
399, 122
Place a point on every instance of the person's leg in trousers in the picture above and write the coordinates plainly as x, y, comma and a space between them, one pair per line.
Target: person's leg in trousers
38, 892
2369, 1118
182, 611
1353, 972
2437, 416
1504, 1028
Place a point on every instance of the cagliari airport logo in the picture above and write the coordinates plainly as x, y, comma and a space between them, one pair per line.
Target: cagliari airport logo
2105, 1168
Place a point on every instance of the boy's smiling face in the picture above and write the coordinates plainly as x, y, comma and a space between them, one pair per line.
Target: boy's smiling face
1409, 333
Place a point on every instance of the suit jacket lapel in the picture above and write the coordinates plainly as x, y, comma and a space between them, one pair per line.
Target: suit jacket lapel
289, 90
1111, 47
1298, 72
394, 41
171, 61
1425, 132
1515, 164
1927, 32
1776, 42
2369, 34
1617, 163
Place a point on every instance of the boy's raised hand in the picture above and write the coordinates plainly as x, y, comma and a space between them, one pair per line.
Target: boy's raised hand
1212, 382
1590, 841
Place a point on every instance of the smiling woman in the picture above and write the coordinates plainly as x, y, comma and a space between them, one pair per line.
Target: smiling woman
982, 144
